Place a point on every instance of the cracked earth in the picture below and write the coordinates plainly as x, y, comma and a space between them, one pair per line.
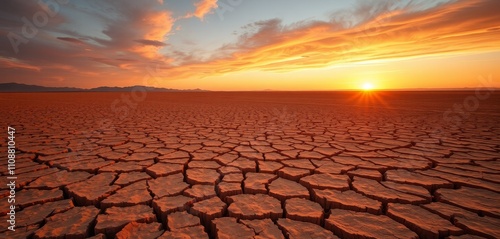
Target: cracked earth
252, 165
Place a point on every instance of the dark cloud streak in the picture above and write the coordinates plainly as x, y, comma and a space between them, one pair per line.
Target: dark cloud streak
151, 42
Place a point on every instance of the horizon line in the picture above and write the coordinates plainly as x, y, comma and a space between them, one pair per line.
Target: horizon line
79, 89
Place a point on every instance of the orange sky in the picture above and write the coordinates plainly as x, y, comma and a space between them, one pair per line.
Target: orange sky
415, 45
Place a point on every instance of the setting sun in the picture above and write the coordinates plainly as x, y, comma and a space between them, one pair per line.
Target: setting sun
367, 86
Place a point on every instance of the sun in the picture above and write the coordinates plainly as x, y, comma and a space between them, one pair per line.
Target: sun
367, 86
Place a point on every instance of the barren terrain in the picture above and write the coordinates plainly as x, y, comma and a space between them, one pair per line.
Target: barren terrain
253, 165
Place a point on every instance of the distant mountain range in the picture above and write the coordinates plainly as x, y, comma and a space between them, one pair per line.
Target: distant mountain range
15, 87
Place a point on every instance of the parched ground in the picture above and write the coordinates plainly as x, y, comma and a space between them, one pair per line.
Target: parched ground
253, 165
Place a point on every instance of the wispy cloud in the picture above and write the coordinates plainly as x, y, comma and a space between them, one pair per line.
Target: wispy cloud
151, 42
71, 39
16, 64
203, 7
456, 27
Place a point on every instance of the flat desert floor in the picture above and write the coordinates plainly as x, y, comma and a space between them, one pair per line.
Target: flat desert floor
253, 165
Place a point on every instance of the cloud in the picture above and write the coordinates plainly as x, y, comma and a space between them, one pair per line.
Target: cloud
151, 42
12, 11
203, 7
131, 34
393, 33
71, 39
137, 21
16, 64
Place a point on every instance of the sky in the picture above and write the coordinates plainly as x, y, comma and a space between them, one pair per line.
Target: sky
251, 44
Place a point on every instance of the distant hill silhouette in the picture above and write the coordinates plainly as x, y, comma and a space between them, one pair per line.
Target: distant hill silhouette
15, 87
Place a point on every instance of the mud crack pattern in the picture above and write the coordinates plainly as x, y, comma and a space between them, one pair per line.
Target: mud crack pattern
252, 165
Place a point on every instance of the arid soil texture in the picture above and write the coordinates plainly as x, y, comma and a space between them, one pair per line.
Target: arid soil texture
253, 165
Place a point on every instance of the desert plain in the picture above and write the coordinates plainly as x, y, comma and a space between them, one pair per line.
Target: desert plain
253, 165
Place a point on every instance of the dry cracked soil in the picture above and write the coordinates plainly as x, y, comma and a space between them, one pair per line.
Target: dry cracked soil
253, 165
